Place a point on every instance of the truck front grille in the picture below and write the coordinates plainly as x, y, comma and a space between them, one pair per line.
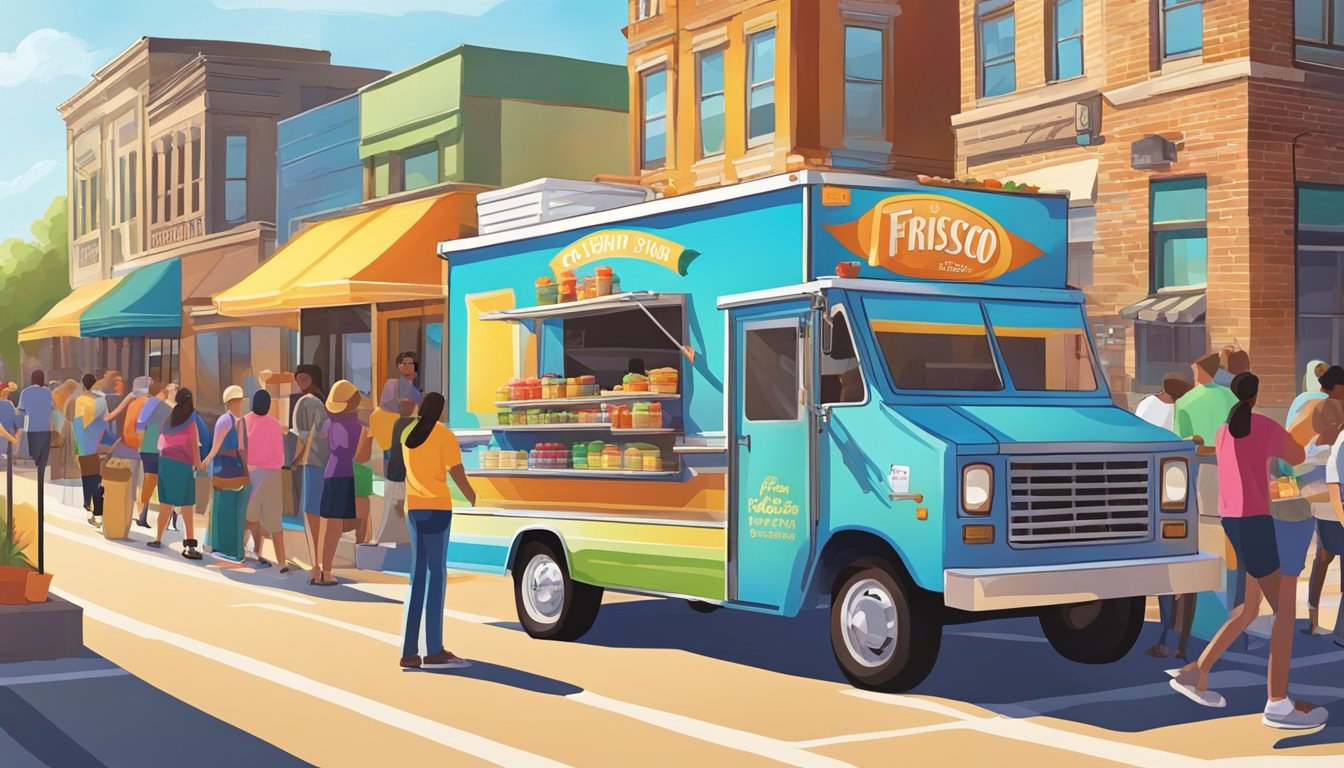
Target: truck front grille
1063, 501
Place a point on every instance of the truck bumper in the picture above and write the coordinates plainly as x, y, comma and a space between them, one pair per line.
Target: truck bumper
990, 589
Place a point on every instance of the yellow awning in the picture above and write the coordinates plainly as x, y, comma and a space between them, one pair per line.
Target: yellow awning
387, 254
63, 319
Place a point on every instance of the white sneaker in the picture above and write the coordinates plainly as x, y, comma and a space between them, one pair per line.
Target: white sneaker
1296, 719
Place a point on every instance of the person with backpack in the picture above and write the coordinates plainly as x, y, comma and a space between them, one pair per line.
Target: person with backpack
90, 425
265, 458
350, 443
395, 528
126, 445
179, 459
228, 462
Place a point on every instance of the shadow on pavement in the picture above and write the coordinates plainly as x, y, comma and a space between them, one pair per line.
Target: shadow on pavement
507, 676
1005, 666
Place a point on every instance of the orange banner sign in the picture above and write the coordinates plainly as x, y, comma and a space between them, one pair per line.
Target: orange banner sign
935, 238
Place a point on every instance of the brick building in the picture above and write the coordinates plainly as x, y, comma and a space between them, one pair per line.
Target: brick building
727, 90
1202, 145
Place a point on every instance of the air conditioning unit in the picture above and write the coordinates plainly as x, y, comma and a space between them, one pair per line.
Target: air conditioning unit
544, 200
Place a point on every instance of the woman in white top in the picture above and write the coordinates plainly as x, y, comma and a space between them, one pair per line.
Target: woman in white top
1160, 409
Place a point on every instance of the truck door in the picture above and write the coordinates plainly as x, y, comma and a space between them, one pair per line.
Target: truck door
771, 447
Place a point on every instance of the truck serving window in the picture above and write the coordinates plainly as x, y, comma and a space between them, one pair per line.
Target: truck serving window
1044, 346
934, 345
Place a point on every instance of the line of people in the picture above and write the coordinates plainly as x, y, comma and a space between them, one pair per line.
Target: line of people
1274, 488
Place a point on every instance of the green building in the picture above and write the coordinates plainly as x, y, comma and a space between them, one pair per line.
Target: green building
492, 117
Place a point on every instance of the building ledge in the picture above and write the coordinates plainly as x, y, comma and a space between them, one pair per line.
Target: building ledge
1201, 76
1027, 101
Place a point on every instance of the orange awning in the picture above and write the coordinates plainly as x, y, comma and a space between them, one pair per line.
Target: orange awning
387, 254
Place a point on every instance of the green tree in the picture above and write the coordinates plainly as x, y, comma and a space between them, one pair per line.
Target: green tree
34, 275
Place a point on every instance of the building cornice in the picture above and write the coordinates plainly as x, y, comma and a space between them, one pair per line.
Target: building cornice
1028, 101
239, 235
103, 77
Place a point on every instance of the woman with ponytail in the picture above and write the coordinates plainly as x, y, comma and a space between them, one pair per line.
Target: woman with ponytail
180, 444
431, 454
1246, 445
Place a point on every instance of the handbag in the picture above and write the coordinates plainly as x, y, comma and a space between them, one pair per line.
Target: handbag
239, 481
1293, 510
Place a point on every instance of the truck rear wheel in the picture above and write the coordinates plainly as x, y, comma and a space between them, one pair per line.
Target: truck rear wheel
551, 605
882, 634
1099, 632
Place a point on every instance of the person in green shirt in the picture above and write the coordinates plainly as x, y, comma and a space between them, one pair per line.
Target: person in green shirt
1202, 410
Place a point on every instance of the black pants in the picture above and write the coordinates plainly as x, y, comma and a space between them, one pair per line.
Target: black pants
93, 493
39, 447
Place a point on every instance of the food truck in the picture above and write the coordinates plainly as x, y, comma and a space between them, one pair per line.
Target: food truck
814, 389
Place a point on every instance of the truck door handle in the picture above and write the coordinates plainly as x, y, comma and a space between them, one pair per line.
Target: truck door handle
744, 441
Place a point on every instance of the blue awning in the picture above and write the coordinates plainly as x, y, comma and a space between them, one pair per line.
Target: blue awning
147, 302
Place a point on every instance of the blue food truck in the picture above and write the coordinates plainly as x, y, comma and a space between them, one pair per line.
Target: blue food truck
814, 389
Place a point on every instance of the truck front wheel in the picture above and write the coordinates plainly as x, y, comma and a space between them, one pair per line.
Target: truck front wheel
884, 637
1099, 632
551, 605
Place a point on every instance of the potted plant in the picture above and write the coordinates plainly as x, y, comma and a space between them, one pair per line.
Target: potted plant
20, 583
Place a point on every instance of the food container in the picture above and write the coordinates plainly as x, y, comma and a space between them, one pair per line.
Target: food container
635, 382
639, 416
652, 460
611, 457
504, 416
663, 381
634, 460
588, 290
595, 454
655, 415
568, 287
547, 291
489, 459
579, 455
588, 386
572, 388
552, 387
517, 390
615, 284
533, 388
603, 279
503, 394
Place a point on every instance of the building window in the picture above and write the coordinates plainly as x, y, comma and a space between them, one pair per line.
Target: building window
1182, 28
155, 160
1320, 274
82, 208
710, 68
865, 83
128, 169
998, 47
1067, 29
654, 153
180, 187
339, 341
420, 167
1319, 26
1179, 234
760, 87
163, 361
235, 178
164, 185
1161, 348
647, 9
196, 180
223, 358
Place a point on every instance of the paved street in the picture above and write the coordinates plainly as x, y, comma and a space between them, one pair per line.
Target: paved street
313, 672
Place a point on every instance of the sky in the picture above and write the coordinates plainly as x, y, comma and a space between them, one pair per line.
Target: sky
48, 49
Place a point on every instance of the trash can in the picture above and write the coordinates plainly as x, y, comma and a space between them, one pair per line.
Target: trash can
117, 476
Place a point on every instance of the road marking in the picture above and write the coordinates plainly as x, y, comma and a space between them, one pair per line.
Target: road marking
164, 564
61, 677
446, 735
1116, 751
879, 735
723, 736
731, 738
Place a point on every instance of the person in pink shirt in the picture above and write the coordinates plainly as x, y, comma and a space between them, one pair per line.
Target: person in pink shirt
1245, 446
265, 458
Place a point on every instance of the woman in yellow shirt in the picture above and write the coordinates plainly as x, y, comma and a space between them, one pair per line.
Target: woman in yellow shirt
431, 455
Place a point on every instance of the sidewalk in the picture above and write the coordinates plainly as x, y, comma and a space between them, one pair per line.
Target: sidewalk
87, 712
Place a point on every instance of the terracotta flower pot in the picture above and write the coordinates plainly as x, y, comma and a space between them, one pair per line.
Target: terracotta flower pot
13, 585
36, 587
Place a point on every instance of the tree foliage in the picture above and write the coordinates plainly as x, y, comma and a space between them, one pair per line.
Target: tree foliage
34, 275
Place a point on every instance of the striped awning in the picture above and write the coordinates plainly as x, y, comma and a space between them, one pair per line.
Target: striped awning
1176, 308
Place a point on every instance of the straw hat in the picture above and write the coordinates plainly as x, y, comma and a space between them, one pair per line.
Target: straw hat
232, 392
343, 398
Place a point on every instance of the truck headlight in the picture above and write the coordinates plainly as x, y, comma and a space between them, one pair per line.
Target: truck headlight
1175, 481
977, 489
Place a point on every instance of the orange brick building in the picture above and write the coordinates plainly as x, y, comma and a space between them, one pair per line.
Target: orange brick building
727, 90
1177, 127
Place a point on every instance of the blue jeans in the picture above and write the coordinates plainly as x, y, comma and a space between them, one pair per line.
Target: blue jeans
429, 577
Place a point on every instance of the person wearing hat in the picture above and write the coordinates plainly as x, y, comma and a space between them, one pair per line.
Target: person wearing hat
348, 442
228, 462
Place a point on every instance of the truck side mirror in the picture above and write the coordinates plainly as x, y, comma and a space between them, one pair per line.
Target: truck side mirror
827, 334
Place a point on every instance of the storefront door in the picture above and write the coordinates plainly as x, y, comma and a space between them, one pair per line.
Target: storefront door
771, 442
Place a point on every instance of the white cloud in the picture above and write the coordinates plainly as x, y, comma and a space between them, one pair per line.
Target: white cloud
44, 55
370, 7
28, 179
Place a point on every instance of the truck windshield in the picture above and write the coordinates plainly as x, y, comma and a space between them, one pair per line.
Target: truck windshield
1044, 346
935, 345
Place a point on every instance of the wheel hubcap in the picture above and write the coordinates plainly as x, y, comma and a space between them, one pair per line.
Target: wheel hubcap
543, 589
869, 613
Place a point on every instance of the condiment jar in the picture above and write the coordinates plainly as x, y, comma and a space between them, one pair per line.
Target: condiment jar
568, 287
603, 281
634, 460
